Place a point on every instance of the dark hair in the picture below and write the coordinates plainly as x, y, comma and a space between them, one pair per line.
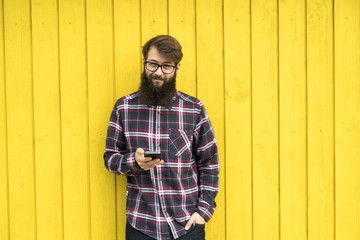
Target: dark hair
166, 45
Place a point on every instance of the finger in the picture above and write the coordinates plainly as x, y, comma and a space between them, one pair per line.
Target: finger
189, 223
146, 165
155, 163
145, 159
139, 153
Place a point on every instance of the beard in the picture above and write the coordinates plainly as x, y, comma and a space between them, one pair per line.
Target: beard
152, 95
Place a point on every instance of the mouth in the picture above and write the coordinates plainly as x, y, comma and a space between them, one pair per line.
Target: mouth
157, 81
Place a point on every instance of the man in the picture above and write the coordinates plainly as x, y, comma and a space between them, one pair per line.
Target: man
170, 197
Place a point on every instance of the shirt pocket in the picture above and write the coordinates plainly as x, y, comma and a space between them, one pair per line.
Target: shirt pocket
180, 144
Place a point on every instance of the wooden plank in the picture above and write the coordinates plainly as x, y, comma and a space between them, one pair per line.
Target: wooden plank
128, 68
265, 119
154, 19
347, 118
4, 175
292, 103
74, 121
182, 27
237, 69
47, 132
320, 119
100, 58
20, 119
210, 90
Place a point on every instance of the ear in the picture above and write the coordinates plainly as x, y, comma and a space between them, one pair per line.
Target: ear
177, 68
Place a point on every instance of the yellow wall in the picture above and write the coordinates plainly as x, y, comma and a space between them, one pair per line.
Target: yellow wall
280, 80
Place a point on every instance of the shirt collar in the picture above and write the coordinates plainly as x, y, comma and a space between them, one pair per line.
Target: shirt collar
169, 106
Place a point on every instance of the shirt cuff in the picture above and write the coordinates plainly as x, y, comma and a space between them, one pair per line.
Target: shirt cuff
205, 210
134, 166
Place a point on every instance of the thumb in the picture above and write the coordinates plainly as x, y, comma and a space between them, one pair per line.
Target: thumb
189, 223
140, 151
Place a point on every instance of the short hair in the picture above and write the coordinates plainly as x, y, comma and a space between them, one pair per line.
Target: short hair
166, 45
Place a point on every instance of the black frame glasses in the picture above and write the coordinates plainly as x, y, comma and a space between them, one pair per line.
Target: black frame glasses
157, 67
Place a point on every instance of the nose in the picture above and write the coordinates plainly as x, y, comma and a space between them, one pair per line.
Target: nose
158, 71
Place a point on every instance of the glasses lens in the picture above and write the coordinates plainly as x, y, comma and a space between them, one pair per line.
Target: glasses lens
152, 66
167, 69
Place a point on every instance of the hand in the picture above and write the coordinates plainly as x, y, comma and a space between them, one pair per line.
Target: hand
146, 162
195, 218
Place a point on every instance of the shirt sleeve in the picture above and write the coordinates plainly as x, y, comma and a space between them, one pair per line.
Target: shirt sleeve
206, 154
116, 159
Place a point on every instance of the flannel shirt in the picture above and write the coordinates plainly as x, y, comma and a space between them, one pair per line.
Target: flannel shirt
161, 200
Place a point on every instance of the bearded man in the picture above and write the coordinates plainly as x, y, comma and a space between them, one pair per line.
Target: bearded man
170, 194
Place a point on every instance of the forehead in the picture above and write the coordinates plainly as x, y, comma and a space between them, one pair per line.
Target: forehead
154, 55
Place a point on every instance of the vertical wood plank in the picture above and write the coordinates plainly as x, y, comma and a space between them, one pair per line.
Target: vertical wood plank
154, 19
101, 90
265, 119
320, 120
128, 69
74, 122
20, 127
292, 103
4, 183
237, 69
47, 132
128, 51
347, 118
210, 90
182, 27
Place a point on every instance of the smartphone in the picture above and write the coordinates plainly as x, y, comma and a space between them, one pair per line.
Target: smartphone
153, 154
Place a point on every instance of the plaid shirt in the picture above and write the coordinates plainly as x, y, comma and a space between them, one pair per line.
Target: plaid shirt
162, 199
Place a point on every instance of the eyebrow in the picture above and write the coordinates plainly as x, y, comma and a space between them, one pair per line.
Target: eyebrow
153, 60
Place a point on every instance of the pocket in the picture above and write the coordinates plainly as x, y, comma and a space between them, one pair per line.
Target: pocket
199, 225
180, 143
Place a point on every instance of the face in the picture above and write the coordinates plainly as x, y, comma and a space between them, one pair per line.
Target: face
158, 78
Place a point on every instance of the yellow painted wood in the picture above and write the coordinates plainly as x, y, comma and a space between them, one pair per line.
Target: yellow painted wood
279, 79
210, 90
238, 137
128, 68
265, 119
182, 27
48, 165
347, 118
4, 176
100, 59
128, 50
74, 119
292, 120
20, 128
320, 120
154, 19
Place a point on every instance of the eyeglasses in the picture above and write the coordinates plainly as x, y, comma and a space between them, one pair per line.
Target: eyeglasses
165, 68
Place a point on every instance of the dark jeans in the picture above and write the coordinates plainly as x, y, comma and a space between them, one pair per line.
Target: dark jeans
197, 233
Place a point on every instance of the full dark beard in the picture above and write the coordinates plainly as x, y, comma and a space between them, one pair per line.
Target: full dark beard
156, 96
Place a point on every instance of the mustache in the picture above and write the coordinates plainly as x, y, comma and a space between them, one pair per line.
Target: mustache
151, 77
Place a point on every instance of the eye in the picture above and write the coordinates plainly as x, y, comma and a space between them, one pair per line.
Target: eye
167, 67
153, 65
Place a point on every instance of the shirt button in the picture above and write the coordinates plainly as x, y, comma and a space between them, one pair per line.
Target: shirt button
165, 210
158, 144
160, 178
158, 111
